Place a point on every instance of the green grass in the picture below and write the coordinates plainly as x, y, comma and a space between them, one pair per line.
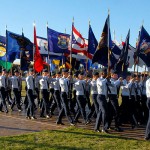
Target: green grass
73, 139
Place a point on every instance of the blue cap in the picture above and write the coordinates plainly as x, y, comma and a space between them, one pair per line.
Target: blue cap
16, 71
3, 69
58, 72
104, 70
81, 73
65, 70
95, 73
45, 70
31, 69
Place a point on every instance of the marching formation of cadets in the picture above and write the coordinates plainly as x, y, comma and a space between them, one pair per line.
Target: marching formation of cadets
70, 95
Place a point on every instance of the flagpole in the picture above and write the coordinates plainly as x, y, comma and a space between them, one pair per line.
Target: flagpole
87, 53
108, 71
71, 45
21, 52
48, 50
62, 59
33, 46
6, 48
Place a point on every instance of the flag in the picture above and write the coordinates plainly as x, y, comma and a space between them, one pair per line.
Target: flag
143, 46
86, 63
57, 42
38, 61
17, 43
131, 54
114, 56
105, 43
43, 48
3, 39
2, 48
123, 62
79, 44
92, 43
6, 65
56, 62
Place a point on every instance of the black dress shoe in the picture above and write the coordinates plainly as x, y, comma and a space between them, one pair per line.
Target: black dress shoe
88, 122
104, 131
118, 129
32, 118
60, 123
6, 111
72, 124
42, 116
97, 130
147, 138
28, 117
133, 126
77, 121
1, 111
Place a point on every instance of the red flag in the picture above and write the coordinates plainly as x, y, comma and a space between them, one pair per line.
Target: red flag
38, 61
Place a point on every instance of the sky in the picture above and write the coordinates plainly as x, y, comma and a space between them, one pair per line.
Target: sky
124, 14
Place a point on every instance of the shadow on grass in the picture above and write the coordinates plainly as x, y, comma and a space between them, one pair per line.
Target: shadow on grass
90, 135
23, 144
11, 128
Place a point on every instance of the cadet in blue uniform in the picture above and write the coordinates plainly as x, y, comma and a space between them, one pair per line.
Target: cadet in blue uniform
147, 134
102, 88
44, 83
3, 88
64, 85
57, 90
80, 87
30, 94
113, 100
144, 98
94, 93
15, 87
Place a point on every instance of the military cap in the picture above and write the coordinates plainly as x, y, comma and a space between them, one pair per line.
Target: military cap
16, 71
65, 70
3, 69
104, 70
45, 70
81, 73
31, 69
58, 72
95, 73
53, 73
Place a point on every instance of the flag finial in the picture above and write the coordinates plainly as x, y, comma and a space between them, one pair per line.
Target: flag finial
6, 26
47, 24
108, 11
89, 22
142, 22
65, 30
73, 20
34, 23
121, 38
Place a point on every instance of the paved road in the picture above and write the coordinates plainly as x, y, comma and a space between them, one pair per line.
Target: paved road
15, 123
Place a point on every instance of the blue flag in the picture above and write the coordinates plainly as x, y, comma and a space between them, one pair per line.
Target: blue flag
92, 42
57, 42
19, 47
123, 62
143, 47
3, 48
105, 43
114, 56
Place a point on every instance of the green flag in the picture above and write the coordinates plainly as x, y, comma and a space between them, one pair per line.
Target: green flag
6, 65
